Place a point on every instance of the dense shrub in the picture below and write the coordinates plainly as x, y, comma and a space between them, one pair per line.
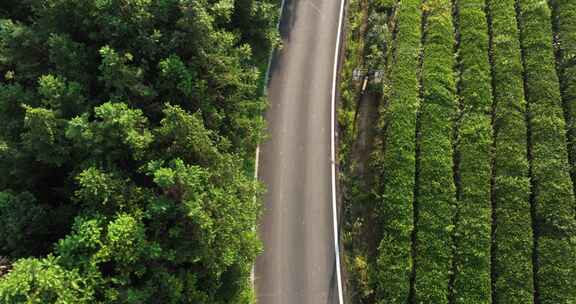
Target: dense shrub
473, 145
397, 163
435, 189
564, 20
554, 213
513, 239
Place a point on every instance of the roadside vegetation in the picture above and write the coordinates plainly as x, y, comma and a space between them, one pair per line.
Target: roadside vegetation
467, 195
127, 136
368, 49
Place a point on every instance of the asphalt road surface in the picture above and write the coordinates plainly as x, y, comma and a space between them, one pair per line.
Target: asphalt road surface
298, 265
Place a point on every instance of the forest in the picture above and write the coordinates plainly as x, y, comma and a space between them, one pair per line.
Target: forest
127, 139
459, 163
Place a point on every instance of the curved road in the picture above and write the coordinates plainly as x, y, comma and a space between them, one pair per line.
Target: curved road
298, 265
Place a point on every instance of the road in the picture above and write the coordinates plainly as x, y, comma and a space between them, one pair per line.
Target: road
298, 265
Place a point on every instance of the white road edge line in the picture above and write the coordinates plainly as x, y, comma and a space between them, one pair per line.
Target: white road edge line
252, 272
333, 152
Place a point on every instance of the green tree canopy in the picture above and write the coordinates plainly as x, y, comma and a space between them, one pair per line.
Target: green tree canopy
127, 130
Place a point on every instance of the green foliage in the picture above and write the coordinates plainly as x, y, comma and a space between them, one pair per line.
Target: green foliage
66, 99
175, 77
43, 136
21, 223
44, 281
513, 239
127, 128
554, 212
70, 60
435, 190
221, 213
354, 59
397, 164
185, 136
120, 79
473, 145
121, 248
384, 4
564, 20
257, 22
116, 132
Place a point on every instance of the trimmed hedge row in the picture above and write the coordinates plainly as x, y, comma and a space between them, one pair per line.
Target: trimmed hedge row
436, 192
551, 184
513, 239
564, 12
472, 282
397, 164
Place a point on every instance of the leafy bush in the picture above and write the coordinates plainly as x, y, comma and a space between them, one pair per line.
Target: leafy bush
396, 165
564, 16
552, 189
513, 239
435, 192
473, 145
